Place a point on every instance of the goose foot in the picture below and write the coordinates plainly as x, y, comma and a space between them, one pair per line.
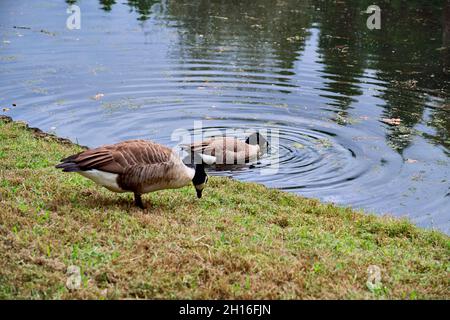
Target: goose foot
138, 201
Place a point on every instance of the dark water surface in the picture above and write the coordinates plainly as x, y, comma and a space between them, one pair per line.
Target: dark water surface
309, 69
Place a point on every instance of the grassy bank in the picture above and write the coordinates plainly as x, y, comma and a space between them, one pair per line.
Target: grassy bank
240, 240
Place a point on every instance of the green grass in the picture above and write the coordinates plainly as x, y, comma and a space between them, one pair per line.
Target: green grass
241, 240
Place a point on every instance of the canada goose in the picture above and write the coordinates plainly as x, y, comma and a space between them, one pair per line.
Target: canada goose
228, 150
137, 166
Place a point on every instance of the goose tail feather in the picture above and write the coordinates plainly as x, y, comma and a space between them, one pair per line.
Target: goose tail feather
68, 167
68, 164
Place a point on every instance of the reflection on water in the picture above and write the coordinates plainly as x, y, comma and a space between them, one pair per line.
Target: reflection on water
362, 116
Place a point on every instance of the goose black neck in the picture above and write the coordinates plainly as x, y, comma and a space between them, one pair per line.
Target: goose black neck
200, 174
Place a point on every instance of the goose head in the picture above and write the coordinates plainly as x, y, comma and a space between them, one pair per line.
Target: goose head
200, 179
257, 139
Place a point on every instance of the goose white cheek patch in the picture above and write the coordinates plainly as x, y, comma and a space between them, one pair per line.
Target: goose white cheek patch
208, 159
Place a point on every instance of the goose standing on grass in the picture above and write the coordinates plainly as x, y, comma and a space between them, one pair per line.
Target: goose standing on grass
137, 166
228, 150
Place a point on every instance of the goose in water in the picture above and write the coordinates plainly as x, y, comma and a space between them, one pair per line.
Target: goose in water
228, 150
137, 166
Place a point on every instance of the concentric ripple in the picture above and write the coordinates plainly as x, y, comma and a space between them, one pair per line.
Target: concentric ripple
314, 158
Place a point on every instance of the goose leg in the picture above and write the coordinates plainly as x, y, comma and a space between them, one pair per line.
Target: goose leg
138, 201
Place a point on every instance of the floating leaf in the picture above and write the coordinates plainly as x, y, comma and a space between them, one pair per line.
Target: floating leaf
324, 143
392, 121
298, 145
98, 96
294, 38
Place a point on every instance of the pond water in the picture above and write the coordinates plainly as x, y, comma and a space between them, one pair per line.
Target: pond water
362, 116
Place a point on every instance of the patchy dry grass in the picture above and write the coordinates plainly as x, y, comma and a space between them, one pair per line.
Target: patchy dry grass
240, 240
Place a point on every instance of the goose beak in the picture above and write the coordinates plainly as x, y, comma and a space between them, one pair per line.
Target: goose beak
199, 193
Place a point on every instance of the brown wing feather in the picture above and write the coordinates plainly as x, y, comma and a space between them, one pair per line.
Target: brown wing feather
199, 147
139, 176
222, 145
117, 158
225, 149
